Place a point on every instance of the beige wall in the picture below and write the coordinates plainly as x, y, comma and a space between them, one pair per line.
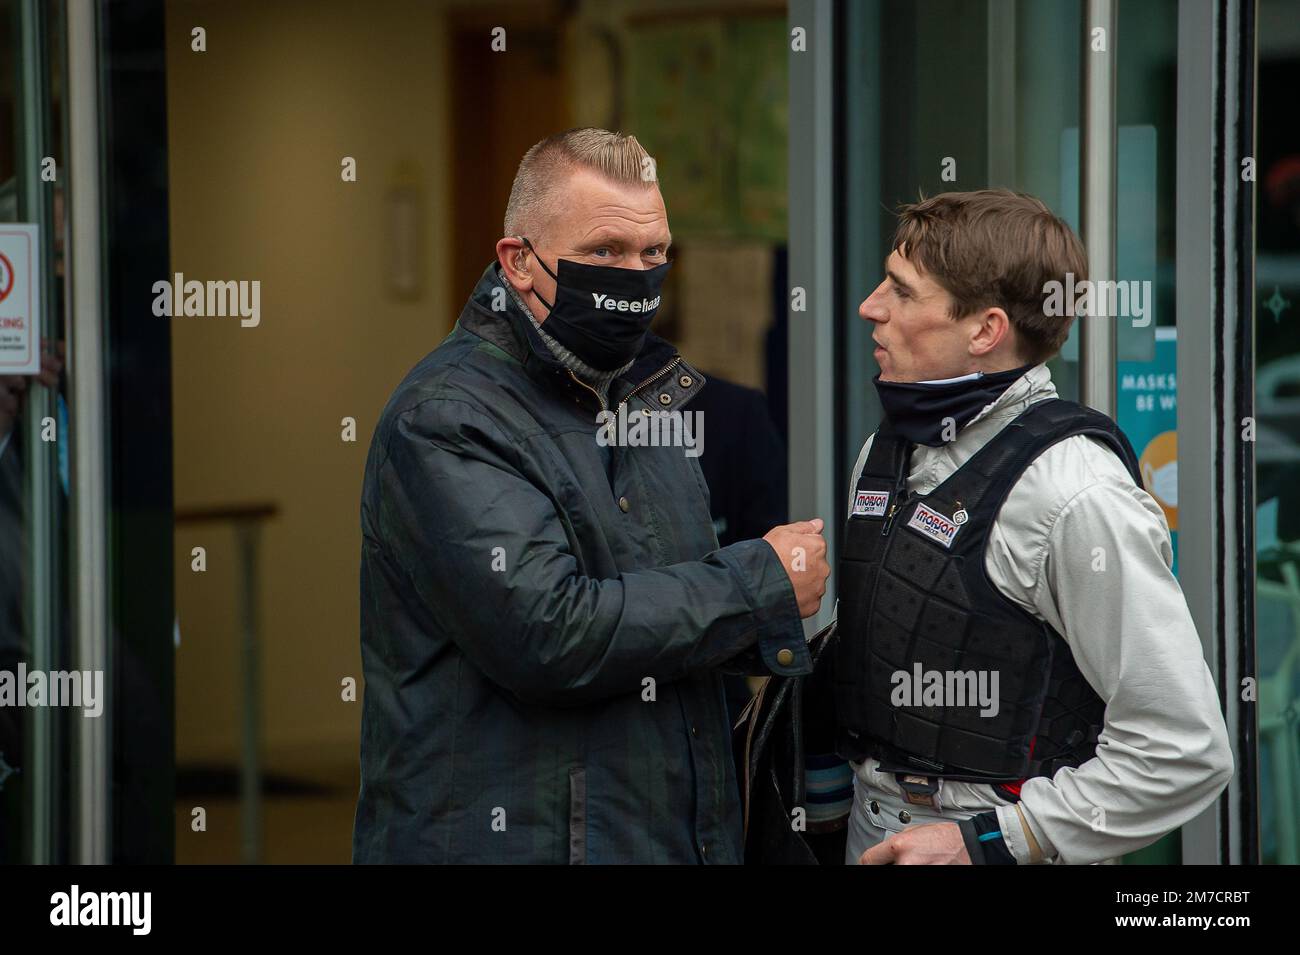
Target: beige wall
258, 125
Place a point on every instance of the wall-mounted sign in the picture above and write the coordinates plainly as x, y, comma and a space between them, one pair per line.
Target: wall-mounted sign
1147, 410
20, 299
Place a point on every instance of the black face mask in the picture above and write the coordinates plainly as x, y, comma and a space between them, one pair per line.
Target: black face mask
917, 410
602, 313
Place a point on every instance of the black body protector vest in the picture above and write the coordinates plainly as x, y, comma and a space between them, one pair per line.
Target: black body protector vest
915, 597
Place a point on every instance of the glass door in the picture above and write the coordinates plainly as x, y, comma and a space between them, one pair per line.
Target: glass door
34, 408
86, 621
947, 95
1277, 451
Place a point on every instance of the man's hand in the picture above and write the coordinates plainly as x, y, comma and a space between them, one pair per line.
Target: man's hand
936, 843
802, 551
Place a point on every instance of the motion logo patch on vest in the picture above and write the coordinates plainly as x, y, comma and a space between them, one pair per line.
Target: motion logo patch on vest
870, 503
934, 525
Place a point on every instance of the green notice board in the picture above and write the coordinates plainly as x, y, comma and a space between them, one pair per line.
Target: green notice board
708, 97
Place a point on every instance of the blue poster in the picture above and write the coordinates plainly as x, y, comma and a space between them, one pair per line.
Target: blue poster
1147, 411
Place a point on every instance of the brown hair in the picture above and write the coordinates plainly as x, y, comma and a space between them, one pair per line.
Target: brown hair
617, 157
995, 248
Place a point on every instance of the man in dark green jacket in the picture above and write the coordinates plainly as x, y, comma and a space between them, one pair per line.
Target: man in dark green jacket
545, 610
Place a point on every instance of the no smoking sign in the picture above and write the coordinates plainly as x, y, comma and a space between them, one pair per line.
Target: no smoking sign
20, 299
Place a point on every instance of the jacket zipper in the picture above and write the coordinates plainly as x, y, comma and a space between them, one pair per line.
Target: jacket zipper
648, 381
603, 405
889, 520
900, 495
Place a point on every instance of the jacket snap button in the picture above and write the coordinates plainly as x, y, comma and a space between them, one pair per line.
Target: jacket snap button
875, 807
685, 381
904, 816
623, 504
665, 399
785, 657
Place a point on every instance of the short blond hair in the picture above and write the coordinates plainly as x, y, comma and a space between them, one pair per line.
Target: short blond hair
615, 156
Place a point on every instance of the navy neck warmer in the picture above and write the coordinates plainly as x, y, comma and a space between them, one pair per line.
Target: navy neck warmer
921, 411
